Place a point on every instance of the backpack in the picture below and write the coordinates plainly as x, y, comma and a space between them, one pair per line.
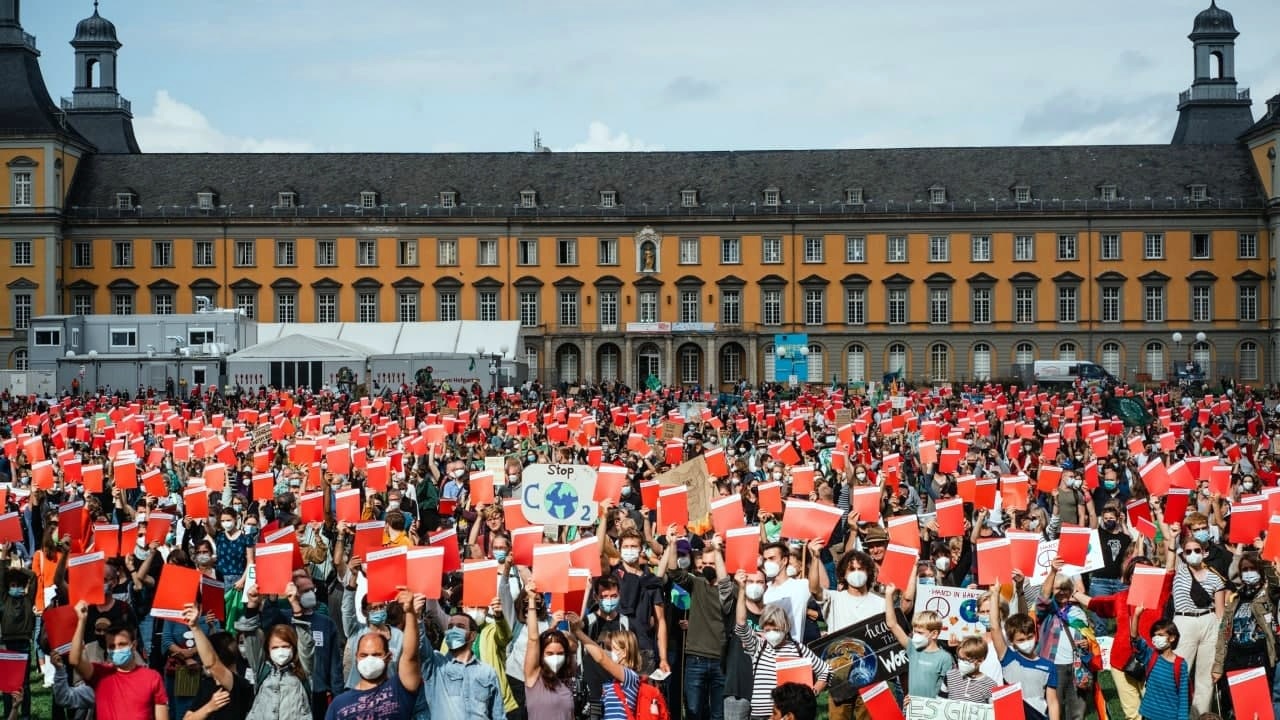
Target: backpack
1177, 671
650, 703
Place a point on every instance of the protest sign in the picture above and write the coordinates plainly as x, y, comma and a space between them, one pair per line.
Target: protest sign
1049, 551
558, 494
932, 708
957, 607
862, 654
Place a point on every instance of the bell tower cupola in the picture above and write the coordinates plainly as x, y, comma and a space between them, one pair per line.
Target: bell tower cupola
1213, 110
96, 108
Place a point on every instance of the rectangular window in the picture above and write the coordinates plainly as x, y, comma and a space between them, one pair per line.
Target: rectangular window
1024, 248
853, 196
897, 248
488, 306
980, 248
529, 308
568, 308
122, 304
1107, 193
772, 198
82, 304
204, 200
202, 253
286, 307
367, 253
981, 306
939, 306
1247, 246
1110, 246
326, 253
82, 253
771, 311
855, 306
23, 305
1199, 193
608, 302
22, 196
1247, 301
367, 307
447, 310
648, 306
607, 251
1067, 247
608, 198
937, 196
1201, 303
162, 304
286, 254
897, 308
731, 307
567, 251
1110, 304
814, 307
247, 304
124, 337
1153, 305
1068, 309
48, 337
730, 251
368, 200
22, 252
1024, 305
527, 251
326, 307
689, 247
690, 306
487, 252
814, 249
244, 253
528, 198
688, 198
448, 199
939, 248
1022, 194
200, 336
407, 307
446, 252
771, 250
1153, 246
286, 200
855, 249
122, 254
407, 253
1201, 246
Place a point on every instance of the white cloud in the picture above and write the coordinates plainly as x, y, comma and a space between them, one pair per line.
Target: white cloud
174, 126
601, 139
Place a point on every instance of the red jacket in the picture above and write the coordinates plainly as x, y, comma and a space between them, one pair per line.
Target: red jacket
1117, 606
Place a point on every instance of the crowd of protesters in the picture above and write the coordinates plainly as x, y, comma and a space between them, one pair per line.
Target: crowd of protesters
666, 628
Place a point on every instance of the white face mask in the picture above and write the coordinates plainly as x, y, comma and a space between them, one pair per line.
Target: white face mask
856, 578
1251, 577
393, 505
630, 555
943, 563
1160, 642
918, 641
617, 655
682, 563
553, 662
1193, 558
755, 591
228, 525
771, 569
479, 615
281, 655
966, 667
1026, 647
775, 637
371, 667
792, 571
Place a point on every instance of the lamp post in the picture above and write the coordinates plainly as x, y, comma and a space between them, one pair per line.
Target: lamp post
495, 364
792, 353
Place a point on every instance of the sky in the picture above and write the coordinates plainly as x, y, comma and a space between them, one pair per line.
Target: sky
430, 76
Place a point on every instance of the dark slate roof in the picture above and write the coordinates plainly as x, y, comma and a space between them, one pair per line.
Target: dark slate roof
1213, 21
25, 105
110, 131
649, 183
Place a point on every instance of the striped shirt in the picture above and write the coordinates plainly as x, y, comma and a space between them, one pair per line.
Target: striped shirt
613, 710
765, 657
969, 688
1182, 602
1162, 699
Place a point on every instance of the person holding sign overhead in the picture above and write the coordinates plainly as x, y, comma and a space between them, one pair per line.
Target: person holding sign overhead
283, 661
1248, 638
381, 693
777, 643
124, 689
456, 684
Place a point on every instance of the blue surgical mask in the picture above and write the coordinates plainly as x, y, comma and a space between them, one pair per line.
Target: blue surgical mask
378, 617
609, 604
17, 592
455, 638
925, 581
1201, 536
985, 622
121, 656
500, 555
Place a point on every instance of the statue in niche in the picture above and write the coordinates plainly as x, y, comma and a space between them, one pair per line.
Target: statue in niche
648, 257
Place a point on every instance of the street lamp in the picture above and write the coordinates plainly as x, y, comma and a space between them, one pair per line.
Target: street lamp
495, 364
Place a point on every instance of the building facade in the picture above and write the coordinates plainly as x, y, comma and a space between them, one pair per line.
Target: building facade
943, 264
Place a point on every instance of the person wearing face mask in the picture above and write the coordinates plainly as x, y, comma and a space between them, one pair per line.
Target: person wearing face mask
966, 682
1072, 501
326, 667
1168, 682
380, 692
456, 684
1020, 659
1248, 639
1216, 556
17, 618
642, 600
234, 546
790, 593
706, 582
776, 644
738, 664
131, 689
517, 609
1116, 542
375, 615
929, 663
549, 670
1199, 600
604, 618
224, 694
1067, 636
1112, 489
855, 602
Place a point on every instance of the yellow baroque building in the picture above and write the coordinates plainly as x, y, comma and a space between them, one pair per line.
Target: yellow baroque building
946, 264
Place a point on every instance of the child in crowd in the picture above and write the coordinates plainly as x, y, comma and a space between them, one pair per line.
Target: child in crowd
929, 663
966, 681
1022, 663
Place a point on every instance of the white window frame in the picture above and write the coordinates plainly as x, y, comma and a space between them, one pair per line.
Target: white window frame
202, 253
120, 337
688, 198
980, 249
201, 335
85, 247
566, 251
815, 303
407, 306
1068, 247
368, 200
1024, 248
204, 200
367, 310
122, 253
125, 201
286, 253
1197, 253
246, 253
366, 253
163, 303
730, 251
1247, 246
896, 311
326, 253
1198, 192
855, 306
1068, 304
22, 253
607, 307
855, 248
1108, 193
771, 307
1109, 310
527, 252
446, 252
23, 188
939, 306
569, 314
52, 336
448, 199
690, 306
487, 306
772, 197
853, 196
771, 249
23, 310
689, 250
731, 307
247, 303
122, 304
647, 306
1024, 305
1153, 246
815, 249
528, 199
608, 198
1201, 303
530, 312
980, 305
937, 196
286, 306
487, 252
407, 252
939, 362
939, 248
1022, 194
447, 306
1247, 303
286, 199
896, 249
1109, 246
327, 306
1153, 304
1247, 368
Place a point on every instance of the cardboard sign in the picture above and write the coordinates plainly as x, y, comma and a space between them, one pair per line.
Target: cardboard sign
931, 708
880, 656
957, 607
558, 494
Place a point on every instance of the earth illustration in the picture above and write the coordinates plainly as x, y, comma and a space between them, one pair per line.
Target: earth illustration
853, 662
561, 501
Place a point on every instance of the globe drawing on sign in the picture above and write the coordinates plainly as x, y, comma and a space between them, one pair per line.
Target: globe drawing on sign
852, 661
561, 501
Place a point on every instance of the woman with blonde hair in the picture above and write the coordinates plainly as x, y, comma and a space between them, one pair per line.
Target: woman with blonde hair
618, 654
282, 662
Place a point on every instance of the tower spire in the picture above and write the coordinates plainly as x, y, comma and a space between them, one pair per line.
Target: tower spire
95, 107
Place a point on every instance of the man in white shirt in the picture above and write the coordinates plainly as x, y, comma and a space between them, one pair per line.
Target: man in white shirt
790, 593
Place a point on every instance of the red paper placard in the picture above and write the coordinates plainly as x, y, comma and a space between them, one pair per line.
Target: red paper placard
866, 502
347, 503
60, 627
86, 578
1073, 544
880, 702
1023, 549
673, 508
798, 670
742, 549
1006, 702
424, 569
806, 520
522, 543
905, 530
513, 514
13, 671
727, 513
1250, 694
950, 517
213, 597
769, 496
479, 582
898, 565
177, 588
273, 567
585, 554
1247, 522
609, 482
368, 537
386, 571
1176, 501
995, 562
196, 502
1146, 587
551, 565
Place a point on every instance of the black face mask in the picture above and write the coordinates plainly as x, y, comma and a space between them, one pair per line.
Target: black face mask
709, 573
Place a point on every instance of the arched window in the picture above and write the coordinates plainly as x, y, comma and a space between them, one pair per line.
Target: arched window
568, 363
609, 362
1203, 354
1155, 360
1067, 350
20, 359
982, 362
1111, 358
92, 73
1248, 360
939, 362
856, 370
1024, 354
897, 360
1215, 65
816, 364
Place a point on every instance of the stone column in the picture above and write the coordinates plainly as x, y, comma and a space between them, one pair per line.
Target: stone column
588, 361
752, 360
709, 380
670, 361
625, 371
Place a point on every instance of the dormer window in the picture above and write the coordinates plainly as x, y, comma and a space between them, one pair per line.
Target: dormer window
204, 200
287, 199
772, 197
937, 195
126, 201
1022, 194
688, 198
853, 196
448, 199
368, 200
1107, 193
1199, 193
528, 198
608, 198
